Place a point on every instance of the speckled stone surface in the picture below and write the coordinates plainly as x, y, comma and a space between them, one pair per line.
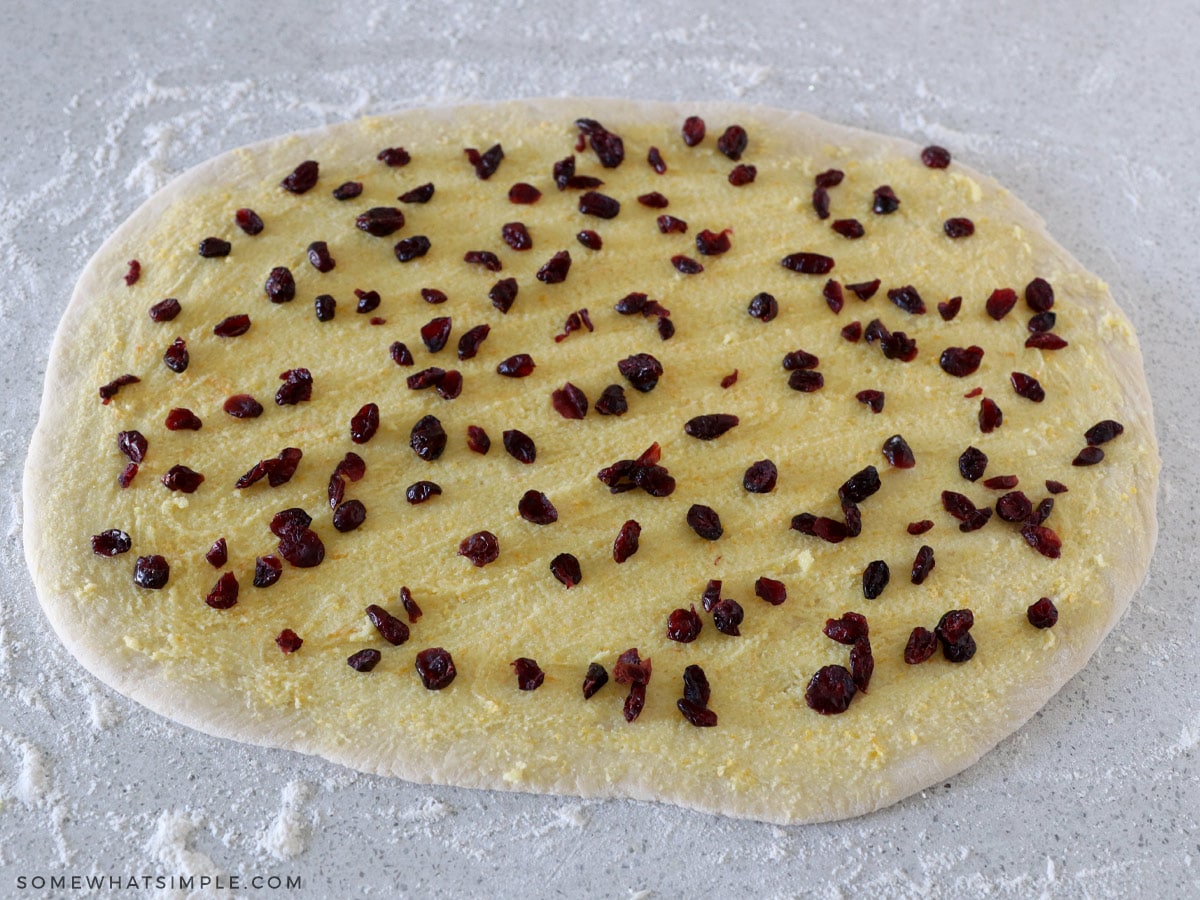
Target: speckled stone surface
1086, 111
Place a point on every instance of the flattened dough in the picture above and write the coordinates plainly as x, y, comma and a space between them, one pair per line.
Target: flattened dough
770, 757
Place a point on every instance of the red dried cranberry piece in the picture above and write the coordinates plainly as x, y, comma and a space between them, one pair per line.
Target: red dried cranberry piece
180, 419
224, 593
853, 332
595, 678
320, 258
1001, 302
1027, 386
214, 247
829, 178
411, 248
410, 605
503, 294
763, 307
364, 660
862, 663
612, 401
898, 346
641, 370
420, 491
1041, 322
907, 299
288, 520
695, 687
848, 228
1088, 456
519, 365
975, 520
683, 625
422, 193
635, 702
165, 310
742, 175
693, 130
280, 286
954, 625
450, 385
426, 378
563, 172
851, 627
347, 190
325, 307
696, 714
480, 548
555, 269
400, 354
218, 553
249, 221
565, 568
834, 297
302, 179
774, 592
972, 463
922, 644
380, 221
864, 290
820, 202
151, 572
267, 571
485, 258
176, 356
569, 402
704, 521
830, 690
949, 309
710, 427
733, 142
915, 528
626, 543
653, 200
232, 326
428, 438
435, 333
808, 263
711, 594
654, 480
535, 507
897, 452
529, 674
181, 478
935, 157
671, 225
520, 446
990, 416
1045, 341
799, 359
349, 515
394, 157
609, 148
1042, 614
516, 235
391, 629
685, 265
729, 380
589, 239
923, 564
288, 641
1103, 432
523, 193
872, 399
1039, 295
478, 440
959, 651
111, 542
875, 578
472, 340
886, 201
958, 505
727, 617
1014, 507
712, 243
961, 361
487, 162
958, 228
632, 669
1001, 482
806, 381
364, 423
296, 388
593, 203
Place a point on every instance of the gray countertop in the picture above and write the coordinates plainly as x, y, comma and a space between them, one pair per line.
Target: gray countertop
1087, 111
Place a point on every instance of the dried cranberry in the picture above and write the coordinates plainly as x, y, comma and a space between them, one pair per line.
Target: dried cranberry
961, 361
923, 564
954, 625
593, 203
485, 258
151, 572
922, 644
302, 179
958, 227
390, 628
712, 243
808, 263
612, 401
520, 446
487, 162
830, 690
897, 452
519, 365
535, 507
894, 346
364, 423
1088, 456
696, 714
394, 157
864, 290
958, 505
683, 625
224, 594
529, 674
609, 148
589, 239
972, 463
653, 200
862, 663
875, 578
410, 605
411, 248
774, 592
671, 225
872, 398
249, 221
1103, 432
853, 332
1045, 341
1056, 487
470, 342
288, 641
516, 235
1001, 482
214, 247
267, 571
949, 309
176, 356
181, 478
428, 438
685, 265
848, 629
595, 678
1041, 322
711, 594
347, 190
280, 286
695, 686
232, 326
1001, 302
742, 175
555, 269
569, 402
218, 553
180, 419
436, 668
480, 548
915, 528
110, 543
349, 515
420, 491
1014, 507
626, 543
704, 521
635, 702
565, 568
885, 201
834, 297
503, 294
760, 477
733, 142
478, 440
849, 228
380, 221
1042, 614
727, 617
320, 258
820, 202
165, 310
296, 388
1039, 295
523, 193
364, 660
861, 485
641, 370
1028, 387
806, 381
959, 651
325, 307
654, 480
709, 427
935, 157
729, 380
693, 130
421, 193
907, 299
990, 416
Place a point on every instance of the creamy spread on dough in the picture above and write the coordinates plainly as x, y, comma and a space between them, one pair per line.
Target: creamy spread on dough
770, 756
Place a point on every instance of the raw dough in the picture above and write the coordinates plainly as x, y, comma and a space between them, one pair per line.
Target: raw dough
770, 757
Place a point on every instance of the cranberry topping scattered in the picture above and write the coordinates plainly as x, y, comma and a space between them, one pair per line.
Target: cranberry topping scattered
249, 221
420, 194
1014, 507
1027, 386
727, 617
364, 423
325, 307
612, 401
565, 568
907, 299
634, 702
267, 571
410, 605
916, 528
277, 471
958, 505
435, 333
742, 175
1045, 341
806, 381
108, 391
522, 193
180, 419
411, 248
958, 227
709, 427
671, 225
1056, 487
1088, 456
503, 294
428, 438
436, 668
218, 553
653, 200
520, 446
730, 380
289, 520
535, 507
420, 491
1001, 482
760, 477
808, 263
364, 660
232, 326
1040, 322
349, 515
296, 388
886, 201
683, 625
1103, 432
830, 690
394, 157
133, 444
516, 235
181, 478
774, 592
487, 162
685, 265
733, 142
426, 378
519, 365
972, 463
608, 147
935, 157
390, 628
875, 578
569, 402
529, 674
922, 644
923, 564
133, 273
862, 663
894, 346
555, 269
850, 628
626, 543
165, 310
280, 286
480, 548
711, 595
214, 247
990, 416
111, 542
380, 221
872, 399
693, 130
949, 308
1039, 295
695, 714
302, 179
961, 361
820, 202
176, 356
695, 686
849, 228
829, 178
1001, 302
347, 190
897, 452
575, 321
641, 370
853, 332
593, 203
864, 290
478, 440
834, 296
1043, 613
589, 239
288, 641
484, 258
712, 243
151, 572
953, 630
595, 678
400, 354
320, 258
704, 521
